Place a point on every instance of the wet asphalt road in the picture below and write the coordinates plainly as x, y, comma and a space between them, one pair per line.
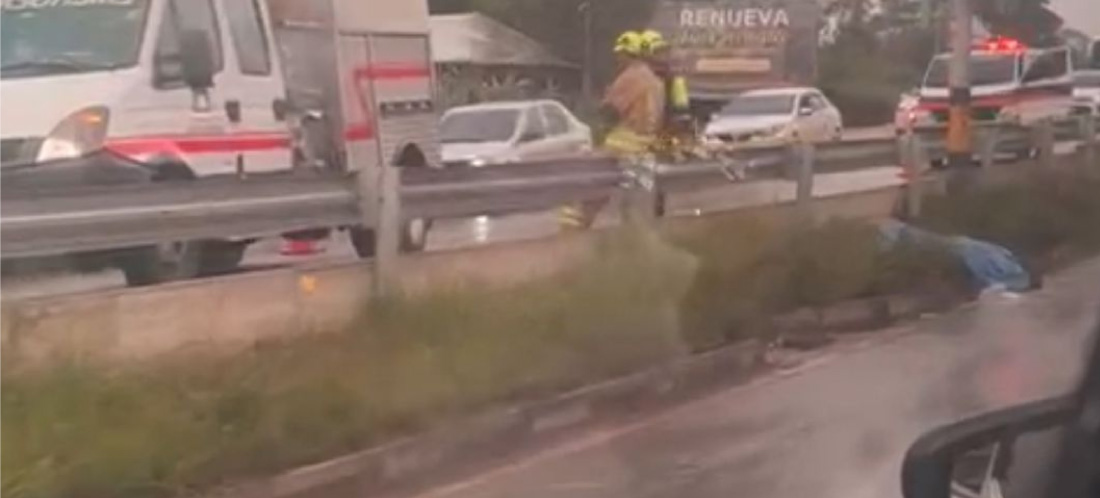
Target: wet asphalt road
837, 425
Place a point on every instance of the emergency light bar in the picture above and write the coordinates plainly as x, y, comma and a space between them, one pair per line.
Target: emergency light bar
1001, 44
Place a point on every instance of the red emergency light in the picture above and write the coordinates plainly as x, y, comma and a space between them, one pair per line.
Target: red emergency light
1002, 44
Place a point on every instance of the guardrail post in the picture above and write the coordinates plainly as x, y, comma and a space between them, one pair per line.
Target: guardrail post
387, 228
1088, 135
1043, 141
988, 139
802, 156
914, 163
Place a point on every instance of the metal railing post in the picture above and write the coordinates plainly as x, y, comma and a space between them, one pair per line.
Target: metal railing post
914, 164
802, 155
1043, 141
387, 228
988, 139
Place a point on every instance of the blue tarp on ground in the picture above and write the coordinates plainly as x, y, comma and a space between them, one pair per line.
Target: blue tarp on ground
991, 265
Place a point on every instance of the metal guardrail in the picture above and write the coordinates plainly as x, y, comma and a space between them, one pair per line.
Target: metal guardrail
48, 221
132, 215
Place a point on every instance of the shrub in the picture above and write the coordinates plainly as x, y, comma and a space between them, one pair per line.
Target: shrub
751, 270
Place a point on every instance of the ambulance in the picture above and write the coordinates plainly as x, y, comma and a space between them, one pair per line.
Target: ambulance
204, 88
1010, 84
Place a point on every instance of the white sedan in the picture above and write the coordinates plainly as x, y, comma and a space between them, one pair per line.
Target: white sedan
505, 132
776, 116
1086, 92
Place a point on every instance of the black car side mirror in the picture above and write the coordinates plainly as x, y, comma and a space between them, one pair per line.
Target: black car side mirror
976, 456
197, 60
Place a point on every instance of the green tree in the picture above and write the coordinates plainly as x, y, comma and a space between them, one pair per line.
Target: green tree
873, 50
1029, 21
560, 24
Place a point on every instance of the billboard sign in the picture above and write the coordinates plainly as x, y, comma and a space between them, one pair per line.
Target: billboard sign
724, 46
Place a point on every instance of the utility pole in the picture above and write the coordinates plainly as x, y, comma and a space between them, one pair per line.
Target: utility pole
585, 10
959, 140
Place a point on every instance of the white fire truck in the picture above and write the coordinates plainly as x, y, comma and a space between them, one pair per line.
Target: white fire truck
198, 88
1010, 83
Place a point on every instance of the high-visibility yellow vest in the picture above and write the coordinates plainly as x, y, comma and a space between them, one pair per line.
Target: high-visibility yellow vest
678, 97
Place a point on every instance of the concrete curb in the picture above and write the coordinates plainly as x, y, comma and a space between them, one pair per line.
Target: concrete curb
808, 329
856, 315
498, 433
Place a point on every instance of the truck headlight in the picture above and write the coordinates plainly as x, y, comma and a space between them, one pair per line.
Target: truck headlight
78, 134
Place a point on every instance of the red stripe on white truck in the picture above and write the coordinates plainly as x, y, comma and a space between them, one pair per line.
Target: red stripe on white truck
393, 71
199, 144
178, 145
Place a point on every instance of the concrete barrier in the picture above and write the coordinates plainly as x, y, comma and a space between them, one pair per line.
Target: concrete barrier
226, 315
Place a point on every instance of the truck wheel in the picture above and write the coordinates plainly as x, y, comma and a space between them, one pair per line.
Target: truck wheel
162, 263
140, 267
221, 257
362, 239
414, 238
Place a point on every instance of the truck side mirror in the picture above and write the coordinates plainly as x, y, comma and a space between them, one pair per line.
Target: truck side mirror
980, 455
197, 60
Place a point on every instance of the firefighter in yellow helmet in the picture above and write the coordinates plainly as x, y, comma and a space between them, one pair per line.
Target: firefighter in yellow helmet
634, 103
634, 106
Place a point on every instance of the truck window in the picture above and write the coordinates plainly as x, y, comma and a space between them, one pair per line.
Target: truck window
180, 15
1047, 65
249, 38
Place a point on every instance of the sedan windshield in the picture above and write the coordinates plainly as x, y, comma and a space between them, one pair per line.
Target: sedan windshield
40, 37
1087, 80
759, 105
498, 125
984, 70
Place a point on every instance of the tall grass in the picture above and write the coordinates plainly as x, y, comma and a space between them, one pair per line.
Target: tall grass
752, 269
78, 431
